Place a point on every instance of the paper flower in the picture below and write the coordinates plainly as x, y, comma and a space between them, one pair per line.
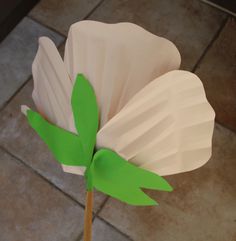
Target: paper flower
118, 110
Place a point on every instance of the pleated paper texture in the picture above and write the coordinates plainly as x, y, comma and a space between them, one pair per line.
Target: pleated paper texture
150, 114
118, 60
166, 128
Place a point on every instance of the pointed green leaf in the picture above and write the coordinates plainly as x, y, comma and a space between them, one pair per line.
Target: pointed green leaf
111, 174
65, 146
85, 110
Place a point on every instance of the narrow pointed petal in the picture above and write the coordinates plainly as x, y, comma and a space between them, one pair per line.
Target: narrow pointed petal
52, 90
52, 85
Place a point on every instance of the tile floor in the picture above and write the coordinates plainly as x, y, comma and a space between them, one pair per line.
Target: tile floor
40, 202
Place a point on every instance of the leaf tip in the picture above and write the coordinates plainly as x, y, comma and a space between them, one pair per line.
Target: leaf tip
168, 187
80, 76
153, 203
24, 109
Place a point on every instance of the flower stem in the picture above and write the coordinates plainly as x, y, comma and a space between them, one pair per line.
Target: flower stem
88, 216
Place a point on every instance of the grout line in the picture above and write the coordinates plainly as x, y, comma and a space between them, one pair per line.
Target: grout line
94, 9
108, 224
210, 44
219, 7
101, 207
60, 45
15, 93
22, 86
55, 30
201, 58
41, 176
46, 26
46, 180
80, 237
95, 215
218, 122
114, 227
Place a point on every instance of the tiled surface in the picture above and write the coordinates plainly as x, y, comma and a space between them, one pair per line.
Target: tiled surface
218, 73
61, 14
202, 207
19, 138
191, 25
228, 5
104, 232
17, 52
31, 209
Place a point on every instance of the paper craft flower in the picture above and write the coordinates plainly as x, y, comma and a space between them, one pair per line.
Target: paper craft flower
118, 110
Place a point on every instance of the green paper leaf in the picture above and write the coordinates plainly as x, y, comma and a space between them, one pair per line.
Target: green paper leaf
106, 170
85, 110
65, 146
111, 174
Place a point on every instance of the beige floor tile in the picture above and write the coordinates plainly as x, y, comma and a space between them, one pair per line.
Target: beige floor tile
33, 210
19, 138
202, 206
17, 51
191, 25
61, 14
218, 73
104, 232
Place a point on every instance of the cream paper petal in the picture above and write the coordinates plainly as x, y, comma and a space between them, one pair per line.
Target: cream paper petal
118, 60
52, 90
166, 128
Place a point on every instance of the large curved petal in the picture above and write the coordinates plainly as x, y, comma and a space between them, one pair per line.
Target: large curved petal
52, 90
118, 60
166, 128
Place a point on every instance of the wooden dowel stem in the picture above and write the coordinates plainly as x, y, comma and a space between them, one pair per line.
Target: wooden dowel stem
88, 216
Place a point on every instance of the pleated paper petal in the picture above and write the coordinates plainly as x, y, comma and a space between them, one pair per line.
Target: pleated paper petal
166, 128
52, 86
118, 60
52, 90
